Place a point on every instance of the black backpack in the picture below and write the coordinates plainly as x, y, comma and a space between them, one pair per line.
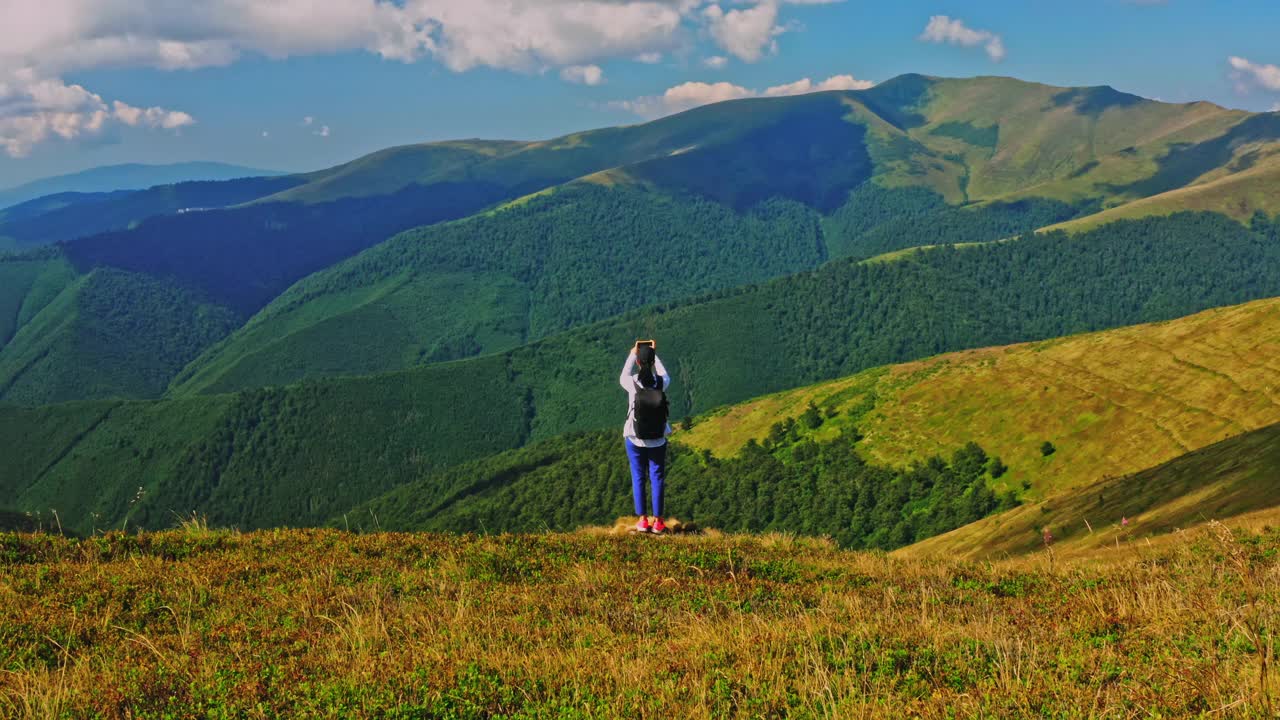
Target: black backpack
649, 412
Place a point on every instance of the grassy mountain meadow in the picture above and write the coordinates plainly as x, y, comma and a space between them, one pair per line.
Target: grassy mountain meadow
1231, 479
322, 622
1112, 403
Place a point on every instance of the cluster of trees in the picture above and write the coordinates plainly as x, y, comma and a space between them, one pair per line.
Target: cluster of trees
979, 136
846, 317
109, 334
793, 484
262, 458
298, 456
587, 252
877, 220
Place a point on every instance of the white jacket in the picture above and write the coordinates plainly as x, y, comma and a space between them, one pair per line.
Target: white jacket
630, 383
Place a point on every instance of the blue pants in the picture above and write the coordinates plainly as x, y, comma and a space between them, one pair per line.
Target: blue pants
656, 459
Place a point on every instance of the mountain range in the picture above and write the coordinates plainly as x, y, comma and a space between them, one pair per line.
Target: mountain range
131, 176
284, 350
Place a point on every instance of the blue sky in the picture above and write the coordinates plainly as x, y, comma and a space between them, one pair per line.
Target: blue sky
304, 84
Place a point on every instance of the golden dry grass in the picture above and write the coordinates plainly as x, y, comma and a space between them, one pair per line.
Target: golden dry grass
1233, 478
1113, 402
1238, 195
330, 624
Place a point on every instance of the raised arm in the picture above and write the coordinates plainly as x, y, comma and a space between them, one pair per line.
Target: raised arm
625, 378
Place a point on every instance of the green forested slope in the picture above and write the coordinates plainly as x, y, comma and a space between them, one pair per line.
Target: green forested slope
88, 341
581, 254
199, 275
27, 285
318, 448
875, 221
260, 458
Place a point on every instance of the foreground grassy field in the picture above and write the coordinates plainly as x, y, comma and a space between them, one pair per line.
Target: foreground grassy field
330, 624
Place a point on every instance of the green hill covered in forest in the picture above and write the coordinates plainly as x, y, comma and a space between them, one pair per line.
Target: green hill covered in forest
330, 444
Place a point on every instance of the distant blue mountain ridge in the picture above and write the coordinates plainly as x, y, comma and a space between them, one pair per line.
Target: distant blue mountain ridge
132, 176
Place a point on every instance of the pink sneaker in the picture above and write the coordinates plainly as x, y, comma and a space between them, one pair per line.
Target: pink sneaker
658, 526
642, 525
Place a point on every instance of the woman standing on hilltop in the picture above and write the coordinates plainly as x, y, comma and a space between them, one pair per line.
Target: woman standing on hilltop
645, 432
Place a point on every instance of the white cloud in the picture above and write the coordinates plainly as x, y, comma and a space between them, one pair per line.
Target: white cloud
683, 97
693, 94
582, 74
266, 134
59, 36
745, 33
1276, 107
943, 29
51, 38
1249, 73
34, 109
715, 62
152, 117
322, 132
805, 85
308, 120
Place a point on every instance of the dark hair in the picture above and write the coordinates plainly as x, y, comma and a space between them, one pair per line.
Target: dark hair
645, 355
